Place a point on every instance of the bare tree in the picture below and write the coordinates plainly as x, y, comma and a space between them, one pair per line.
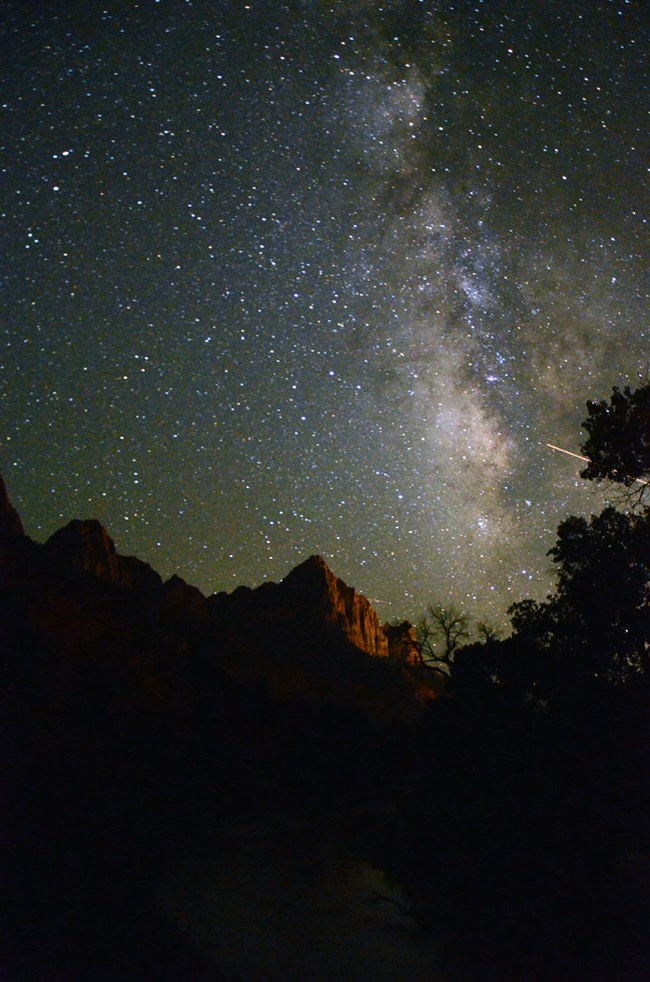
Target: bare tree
439, 633
487, 632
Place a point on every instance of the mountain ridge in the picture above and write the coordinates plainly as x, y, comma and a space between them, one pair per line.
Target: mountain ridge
304, 635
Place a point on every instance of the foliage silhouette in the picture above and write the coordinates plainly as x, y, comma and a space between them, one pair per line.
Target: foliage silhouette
488, 632
618, 446
597, 623
439, 633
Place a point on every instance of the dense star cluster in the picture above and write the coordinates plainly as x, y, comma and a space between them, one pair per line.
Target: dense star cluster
320, 276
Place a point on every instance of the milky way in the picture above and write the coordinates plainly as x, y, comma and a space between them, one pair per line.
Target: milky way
285, 278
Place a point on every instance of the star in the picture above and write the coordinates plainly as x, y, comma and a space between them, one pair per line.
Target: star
320, 280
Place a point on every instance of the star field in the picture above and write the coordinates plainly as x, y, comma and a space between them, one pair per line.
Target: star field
285, 278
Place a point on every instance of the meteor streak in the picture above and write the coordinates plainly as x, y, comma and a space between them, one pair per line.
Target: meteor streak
570, 453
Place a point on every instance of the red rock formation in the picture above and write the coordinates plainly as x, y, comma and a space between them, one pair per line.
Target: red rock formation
309, 601
402, 644
86, 545
319, 597
313, 636
77, 601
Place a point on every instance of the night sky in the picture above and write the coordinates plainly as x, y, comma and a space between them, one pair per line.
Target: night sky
320, 277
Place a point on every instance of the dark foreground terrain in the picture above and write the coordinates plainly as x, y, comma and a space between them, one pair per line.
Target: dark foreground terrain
192, 796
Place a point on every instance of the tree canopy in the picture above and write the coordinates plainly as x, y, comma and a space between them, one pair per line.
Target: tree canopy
597, 623
618, 445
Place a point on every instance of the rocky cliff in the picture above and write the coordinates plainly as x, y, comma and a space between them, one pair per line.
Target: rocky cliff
321, 598
402, 643
86, 545
10, 523
309, 603
17, 551
309, 635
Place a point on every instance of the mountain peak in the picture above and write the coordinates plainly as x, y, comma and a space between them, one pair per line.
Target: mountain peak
312, 562
323, 598
86, 544
10, 522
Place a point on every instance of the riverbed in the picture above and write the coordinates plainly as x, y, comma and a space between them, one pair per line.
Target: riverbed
264, 913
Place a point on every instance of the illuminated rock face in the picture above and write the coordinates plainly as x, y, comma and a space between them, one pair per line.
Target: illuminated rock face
310, 604
402, 643
319, 597
311, 636
309, 607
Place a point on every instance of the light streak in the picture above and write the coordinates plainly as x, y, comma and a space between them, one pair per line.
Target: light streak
570, 453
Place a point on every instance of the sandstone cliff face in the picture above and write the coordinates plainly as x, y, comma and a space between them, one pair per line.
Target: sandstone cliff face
86, 545
304, 608
402, 644
313, 637
310, 636
322, 598
311, 601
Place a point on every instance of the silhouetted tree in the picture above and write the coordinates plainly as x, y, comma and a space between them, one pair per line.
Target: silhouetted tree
529, 618
488, 632
598, 621
618, 446
481, 665
439, 633
604, 574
